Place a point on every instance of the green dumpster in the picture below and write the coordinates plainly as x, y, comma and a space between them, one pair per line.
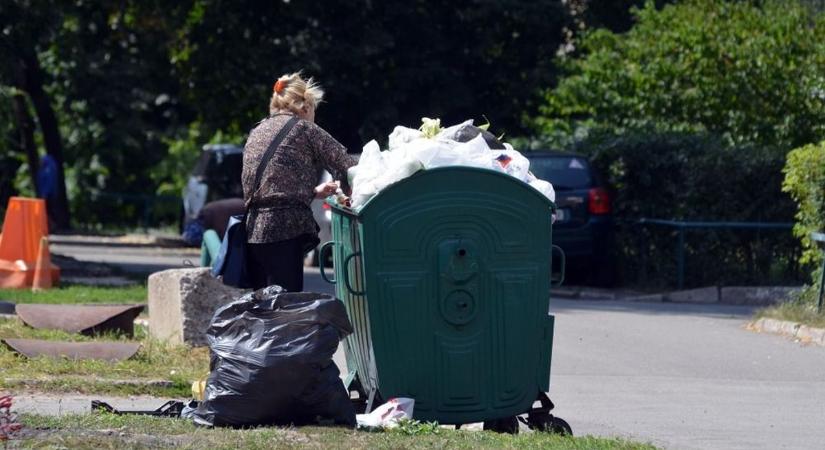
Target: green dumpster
446, 279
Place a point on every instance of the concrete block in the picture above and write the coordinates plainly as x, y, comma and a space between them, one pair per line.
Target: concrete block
755, 295
701, 295
182, 302
649, 298
811, 335
789, 328
597, 294
564, 292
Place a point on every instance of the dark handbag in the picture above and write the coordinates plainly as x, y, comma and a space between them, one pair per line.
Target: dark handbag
230, 263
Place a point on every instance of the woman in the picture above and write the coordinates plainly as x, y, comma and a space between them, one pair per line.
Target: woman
280, 226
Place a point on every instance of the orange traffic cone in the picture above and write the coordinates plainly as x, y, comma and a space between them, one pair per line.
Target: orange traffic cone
43, 268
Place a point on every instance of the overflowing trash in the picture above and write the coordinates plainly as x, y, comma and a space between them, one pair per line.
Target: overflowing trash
387, 415
272, 362
430, 147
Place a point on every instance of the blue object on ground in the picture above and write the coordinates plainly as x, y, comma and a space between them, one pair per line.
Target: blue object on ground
209, 247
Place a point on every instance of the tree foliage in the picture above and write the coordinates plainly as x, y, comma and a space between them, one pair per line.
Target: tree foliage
138, 86
748, 71
382, 63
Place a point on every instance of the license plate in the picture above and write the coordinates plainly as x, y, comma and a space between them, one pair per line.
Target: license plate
562, 215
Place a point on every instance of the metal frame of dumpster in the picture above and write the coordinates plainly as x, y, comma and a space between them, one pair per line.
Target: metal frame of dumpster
464, 263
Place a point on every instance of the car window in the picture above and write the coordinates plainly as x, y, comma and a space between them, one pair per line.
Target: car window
201, 164
568, 172
223, 176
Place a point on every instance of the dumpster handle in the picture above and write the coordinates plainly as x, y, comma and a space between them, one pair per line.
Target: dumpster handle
321, 260
346, 274
561, 278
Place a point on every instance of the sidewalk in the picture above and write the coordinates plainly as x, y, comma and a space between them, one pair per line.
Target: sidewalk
52, 404
727, 295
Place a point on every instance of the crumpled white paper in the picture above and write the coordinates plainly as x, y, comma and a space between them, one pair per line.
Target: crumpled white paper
388, 414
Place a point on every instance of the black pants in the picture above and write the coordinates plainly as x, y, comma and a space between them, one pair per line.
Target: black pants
280, 263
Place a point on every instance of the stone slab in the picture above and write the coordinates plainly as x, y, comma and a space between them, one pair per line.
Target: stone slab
649, 298
756, 295
701, 295
182, 303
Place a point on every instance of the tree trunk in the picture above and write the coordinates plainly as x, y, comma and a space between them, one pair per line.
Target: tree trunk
33, 84
25, 128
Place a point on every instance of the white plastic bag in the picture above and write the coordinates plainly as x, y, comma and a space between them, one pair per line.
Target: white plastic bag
474, 153
450, 132
370, 166
512, 163
376, 170
403, 135
388, 414
545, 188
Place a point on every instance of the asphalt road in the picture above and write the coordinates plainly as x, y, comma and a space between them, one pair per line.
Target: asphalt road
133, 259
679, 376
685, 377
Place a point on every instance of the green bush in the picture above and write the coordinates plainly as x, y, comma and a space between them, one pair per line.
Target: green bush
746, 71
805, 182
692, 177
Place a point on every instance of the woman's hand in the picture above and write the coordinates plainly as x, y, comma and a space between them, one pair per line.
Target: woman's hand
326, 189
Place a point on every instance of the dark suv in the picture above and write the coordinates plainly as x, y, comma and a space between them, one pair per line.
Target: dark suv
584, 223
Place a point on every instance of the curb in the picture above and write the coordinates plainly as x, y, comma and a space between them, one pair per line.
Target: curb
723, 295
801, 333
34, 383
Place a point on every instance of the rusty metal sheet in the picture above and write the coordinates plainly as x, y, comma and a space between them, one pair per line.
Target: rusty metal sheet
85, 319
109, 351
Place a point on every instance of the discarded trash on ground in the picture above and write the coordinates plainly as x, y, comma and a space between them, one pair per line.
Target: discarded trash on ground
388, 414
198, 388
172, 408
272, 362
7, 307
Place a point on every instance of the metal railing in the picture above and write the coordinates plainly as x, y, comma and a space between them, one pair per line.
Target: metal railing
146, 205
683, 226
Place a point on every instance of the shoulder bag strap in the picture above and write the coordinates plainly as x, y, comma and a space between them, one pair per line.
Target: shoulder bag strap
268, 155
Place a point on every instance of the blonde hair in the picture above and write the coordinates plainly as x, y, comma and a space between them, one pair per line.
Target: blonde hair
292, 93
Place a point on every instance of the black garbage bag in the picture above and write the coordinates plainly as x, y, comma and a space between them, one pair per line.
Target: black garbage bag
467, 133
272, 362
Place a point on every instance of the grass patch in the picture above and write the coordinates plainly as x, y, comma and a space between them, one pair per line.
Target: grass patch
78, 294
126, 432
793, 312
156, 369
801, 309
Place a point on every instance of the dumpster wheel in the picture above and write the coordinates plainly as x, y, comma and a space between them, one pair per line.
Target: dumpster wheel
507, 425
540, 419
548, 423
